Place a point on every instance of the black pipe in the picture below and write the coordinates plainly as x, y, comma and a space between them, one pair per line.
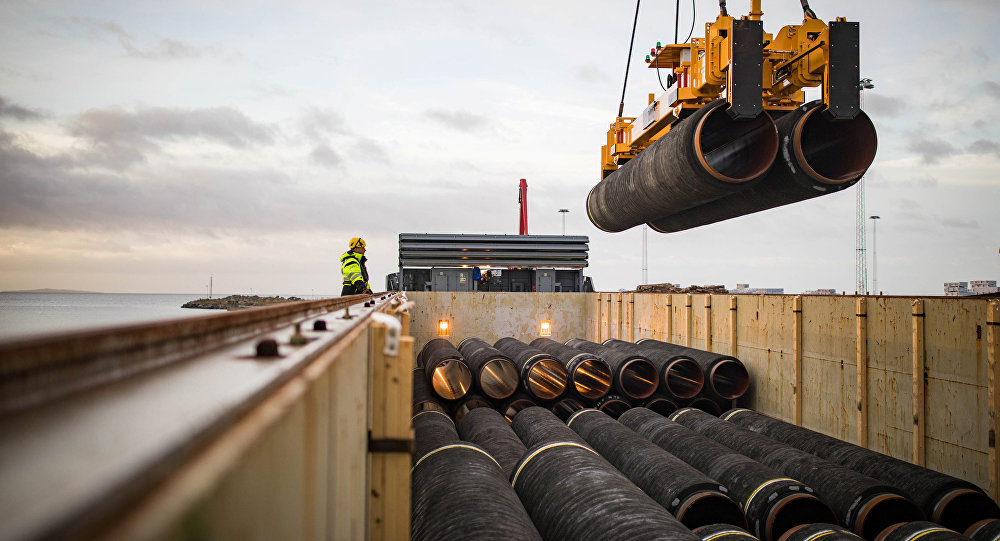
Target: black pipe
514, 404
863, 504
423, 397
493, 372
432, 429
590, 375
566, 407
771, 502
722, 532
446, 369
468, 403
664, 405
944, 499
453, 476
688, 494
984, 530
815, 532
572, 493
491, 430
633, 375
922, 530
706, 156
680, 376
817, 156
705, 404
542, 376
725, 375
613, 405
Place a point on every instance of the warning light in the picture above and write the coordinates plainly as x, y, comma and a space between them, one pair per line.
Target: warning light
443, 328
545, 329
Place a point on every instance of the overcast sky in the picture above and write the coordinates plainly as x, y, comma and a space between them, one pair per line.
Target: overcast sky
145, 146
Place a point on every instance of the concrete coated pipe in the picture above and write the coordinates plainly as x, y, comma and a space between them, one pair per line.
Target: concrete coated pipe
590, 375
922, 530
542, 376
725, 375
490, 430
423, 397
815, 532
705, 156
431, 430
946, 500
633, 375
680, 376
446, 369
572, 493
816, 157
771, 502
863, 504
691, 496
722, 532
493, 372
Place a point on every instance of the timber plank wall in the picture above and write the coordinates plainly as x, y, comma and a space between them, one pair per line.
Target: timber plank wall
914, 378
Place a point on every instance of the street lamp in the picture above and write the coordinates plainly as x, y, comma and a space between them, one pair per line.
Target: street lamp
563, 212
874, 254
860, 257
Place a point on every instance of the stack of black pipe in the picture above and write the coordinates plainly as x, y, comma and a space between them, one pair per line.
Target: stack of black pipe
680, 376
590, 375
542, 376
493, 372
634, 376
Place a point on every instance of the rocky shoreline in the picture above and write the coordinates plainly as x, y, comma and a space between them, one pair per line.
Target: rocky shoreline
237, 302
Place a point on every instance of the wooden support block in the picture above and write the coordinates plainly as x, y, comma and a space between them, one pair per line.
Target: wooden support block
390, 437
861, 358
688, 318
918, 382
630, 320
404, 320
609, 318
708, 322
797, 359
993, 394
669, 327
733, 329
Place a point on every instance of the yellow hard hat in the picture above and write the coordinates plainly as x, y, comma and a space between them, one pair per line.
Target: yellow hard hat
356, 242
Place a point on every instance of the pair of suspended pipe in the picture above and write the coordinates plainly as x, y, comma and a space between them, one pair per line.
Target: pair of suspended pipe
572, 493
816, 157
815, 532
493, 372
542, 376
922, 530
725, 376
771, 502
680, 376
446, 369
946, 500
722, 532
590, 375
984, 530
706, 156
633, 375
863, 504
490, 430
458, 490
691, 496
423, 397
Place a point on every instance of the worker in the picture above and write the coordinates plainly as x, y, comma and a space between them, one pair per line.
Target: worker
352, 265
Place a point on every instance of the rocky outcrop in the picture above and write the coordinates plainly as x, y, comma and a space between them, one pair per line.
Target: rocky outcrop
236, 302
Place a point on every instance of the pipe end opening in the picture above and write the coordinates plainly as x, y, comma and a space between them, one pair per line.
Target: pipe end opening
451, 379
883, 511
736, 151
963, 507
638, 378
683, 378
592, 379
705, 508
835, 152
794, 510
547, 379
498, 378
729, 379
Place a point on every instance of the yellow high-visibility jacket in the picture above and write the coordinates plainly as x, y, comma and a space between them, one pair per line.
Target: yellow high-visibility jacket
352, 265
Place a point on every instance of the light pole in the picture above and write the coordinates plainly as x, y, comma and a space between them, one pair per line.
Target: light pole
564, 212
645, 264
874, 255
860, 258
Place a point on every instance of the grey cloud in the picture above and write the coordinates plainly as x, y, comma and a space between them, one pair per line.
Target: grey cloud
370, 149
930, 149
959, 223
985, 146
325, 156
592, 73
318, 123
991, 88
457, 120
17, 112
880, 105
164, 48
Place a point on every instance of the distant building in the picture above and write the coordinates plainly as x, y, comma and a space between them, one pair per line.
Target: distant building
975, 287
745, 289
820, 292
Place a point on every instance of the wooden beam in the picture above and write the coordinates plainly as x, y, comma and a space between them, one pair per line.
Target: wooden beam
688, 320
918, 382
993, 393
708, 322
670, 319
631, 317
797, 359
861, 313
733, 328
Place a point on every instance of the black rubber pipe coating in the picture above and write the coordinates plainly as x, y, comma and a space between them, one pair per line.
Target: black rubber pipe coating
863, 504
539, 425
634, 376
432, 429
423, 397
691, 496
946, 500
923, 530
572, 493
984, 530
680, 376
772, 502
722, 532
494, 373
460, 493
814, 532
816, 157
490, 430
446, 369
705, 156
725, 376
542, 376
589, 374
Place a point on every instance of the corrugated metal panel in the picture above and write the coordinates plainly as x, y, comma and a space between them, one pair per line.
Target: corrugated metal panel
457, 250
